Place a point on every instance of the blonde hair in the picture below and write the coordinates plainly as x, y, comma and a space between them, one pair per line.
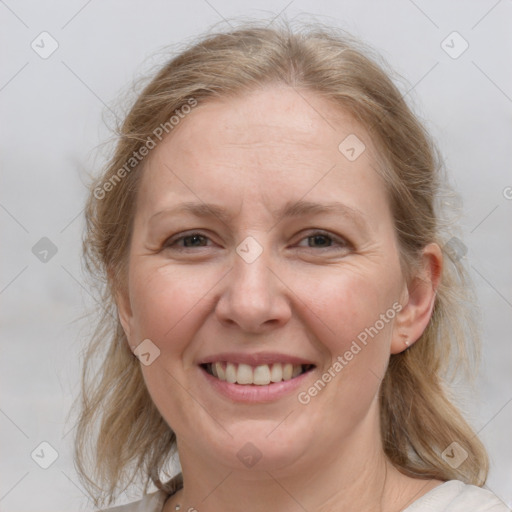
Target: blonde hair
418, 419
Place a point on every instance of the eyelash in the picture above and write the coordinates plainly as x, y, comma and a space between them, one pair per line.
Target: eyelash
169, 243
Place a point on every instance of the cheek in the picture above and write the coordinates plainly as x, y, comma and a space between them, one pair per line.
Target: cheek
350, 304
166, 301
358, 310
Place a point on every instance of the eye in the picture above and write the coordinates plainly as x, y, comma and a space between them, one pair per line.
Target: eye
319, 239
190, 241
325, 240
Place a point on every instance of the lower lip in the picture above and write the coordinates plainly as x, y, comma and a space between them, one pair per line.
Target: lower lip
252, 393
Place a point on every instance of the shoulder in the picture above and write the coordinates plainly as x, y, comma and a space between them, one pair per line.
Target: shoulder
153, 502
456, 496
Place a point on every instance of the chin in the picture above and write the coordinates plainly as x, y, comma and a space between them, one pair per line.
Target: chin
262, 445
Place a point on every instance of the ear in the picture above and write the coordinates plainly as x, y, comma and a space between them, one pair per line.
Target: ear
124, 309
418, 300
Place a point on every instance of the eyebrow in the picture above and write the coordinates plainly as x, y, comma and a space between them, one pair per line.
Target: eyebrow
289, 210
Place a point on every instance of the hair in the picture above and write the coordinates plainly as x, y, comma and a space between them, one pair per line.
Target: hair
120, 433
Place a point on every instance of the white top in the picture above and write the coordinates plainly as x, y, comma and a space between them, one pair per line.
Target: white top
452, 496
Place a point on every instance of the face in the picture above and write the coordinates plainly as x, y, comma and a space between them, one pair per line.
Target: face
267, 286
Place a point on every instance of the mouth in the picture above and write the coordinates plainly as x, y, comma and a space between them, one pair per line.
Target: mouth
260, 375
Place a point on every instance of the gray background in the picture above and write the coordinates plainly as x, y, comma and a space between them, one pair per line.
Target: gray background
52, 128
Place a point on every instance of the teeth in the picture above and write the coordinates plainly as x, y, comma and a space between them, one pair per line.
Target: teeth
244, 374
276, 374
287, 371
219, 371
261, 375
231, 373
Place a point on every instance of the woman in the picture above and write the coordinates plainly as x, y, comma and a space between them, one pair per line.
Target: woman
279, 310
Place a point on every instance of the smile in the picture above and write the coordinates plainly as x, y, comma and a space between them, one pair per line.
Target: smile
261, 375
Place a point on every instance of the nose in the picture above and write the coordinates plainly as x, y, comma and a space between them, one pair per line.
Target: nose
254, 298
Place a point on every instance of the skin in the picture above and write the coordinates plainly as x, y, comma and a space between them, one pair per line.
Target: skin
301, 296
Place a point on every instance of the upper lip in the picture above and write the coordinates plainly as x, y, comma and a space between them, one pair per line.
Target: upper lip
254, 359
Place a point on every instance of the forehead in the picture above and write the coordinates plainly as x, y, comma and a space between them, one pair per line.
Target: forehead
274, 116
273, 142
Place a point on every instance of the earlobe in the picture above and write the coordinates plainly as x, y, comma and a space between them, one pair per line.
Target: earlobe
419, 301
